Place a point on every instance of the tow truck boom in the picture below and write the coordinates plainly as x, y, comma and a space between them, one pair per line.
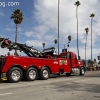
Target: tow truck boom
29, 50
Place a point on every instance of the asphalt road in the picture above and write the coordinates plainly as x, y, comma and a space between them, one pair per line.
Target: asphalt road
74, 87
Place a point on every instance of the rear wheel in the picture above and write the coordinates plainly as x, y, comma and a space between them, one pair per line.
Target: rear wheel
15, 74
31, 74
44, 73
82, 71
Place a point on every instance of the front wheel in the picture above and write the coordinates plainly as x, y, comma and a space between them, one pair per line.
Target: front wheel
82, 71
44, 73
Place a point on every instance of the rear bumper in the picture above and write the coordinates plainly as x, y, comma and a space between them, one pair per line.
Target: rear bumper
3, 76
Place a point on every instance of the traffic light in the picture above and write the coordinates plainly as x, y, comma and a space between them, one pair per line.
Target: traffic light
98, 57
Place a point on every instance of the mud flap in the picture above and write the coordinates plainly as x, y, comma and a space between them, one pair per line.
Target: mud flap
0, 77
3, 77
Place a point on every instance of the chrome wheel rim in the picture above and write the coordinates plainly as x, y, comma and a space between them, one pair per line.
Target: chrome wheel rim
83, 71
32, 74
45, 73
16, 75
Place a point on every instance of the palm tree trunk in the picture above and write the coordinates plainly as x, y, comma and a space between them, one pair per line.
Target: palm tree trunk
91, 39
16, 38
91, 44
16, 33
77, 31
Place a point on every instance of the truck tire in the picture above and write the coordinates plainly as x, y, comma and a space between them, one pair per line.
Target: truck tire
44, 73
82, 71
31, 74
14, 75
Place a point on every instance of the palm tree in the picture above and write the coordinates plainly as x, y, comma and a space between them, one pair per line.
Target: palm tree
18, 18
77, 4
43, 45
89, 61
91, 15
94, 60
87, 30
83, 62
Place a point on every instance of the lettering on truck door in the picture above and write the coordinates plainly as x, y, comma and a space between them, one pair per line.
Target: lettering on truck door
65, 65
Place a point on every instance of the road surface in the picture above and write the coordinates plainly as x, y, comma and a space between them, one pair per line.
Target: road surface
55, 88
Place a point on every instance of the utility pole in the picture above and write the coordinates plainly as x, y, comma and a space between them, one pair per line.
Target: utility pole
58, 26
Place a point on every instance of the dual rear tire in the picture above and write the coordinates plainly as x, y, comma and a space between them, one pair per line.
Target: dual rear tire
44, 73
31, 74
15, 74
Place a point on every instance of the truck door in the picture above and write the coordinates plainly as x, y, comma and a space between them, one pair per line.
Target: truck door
64, 63
67, 62
74, 60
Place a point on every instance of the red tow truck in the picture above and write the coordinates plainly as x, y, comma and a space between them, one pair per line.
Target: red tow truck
38, 64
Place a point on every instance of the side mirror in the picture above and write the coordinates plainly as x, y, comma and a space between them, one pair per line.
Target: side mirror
75, 57
79, 58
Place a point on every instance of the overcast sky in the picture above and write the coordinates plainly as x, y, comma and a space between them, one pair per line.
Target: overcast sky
40, 24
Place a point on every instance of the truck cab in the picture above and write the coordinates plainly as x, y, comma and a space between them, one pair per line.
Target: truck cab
76, 66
